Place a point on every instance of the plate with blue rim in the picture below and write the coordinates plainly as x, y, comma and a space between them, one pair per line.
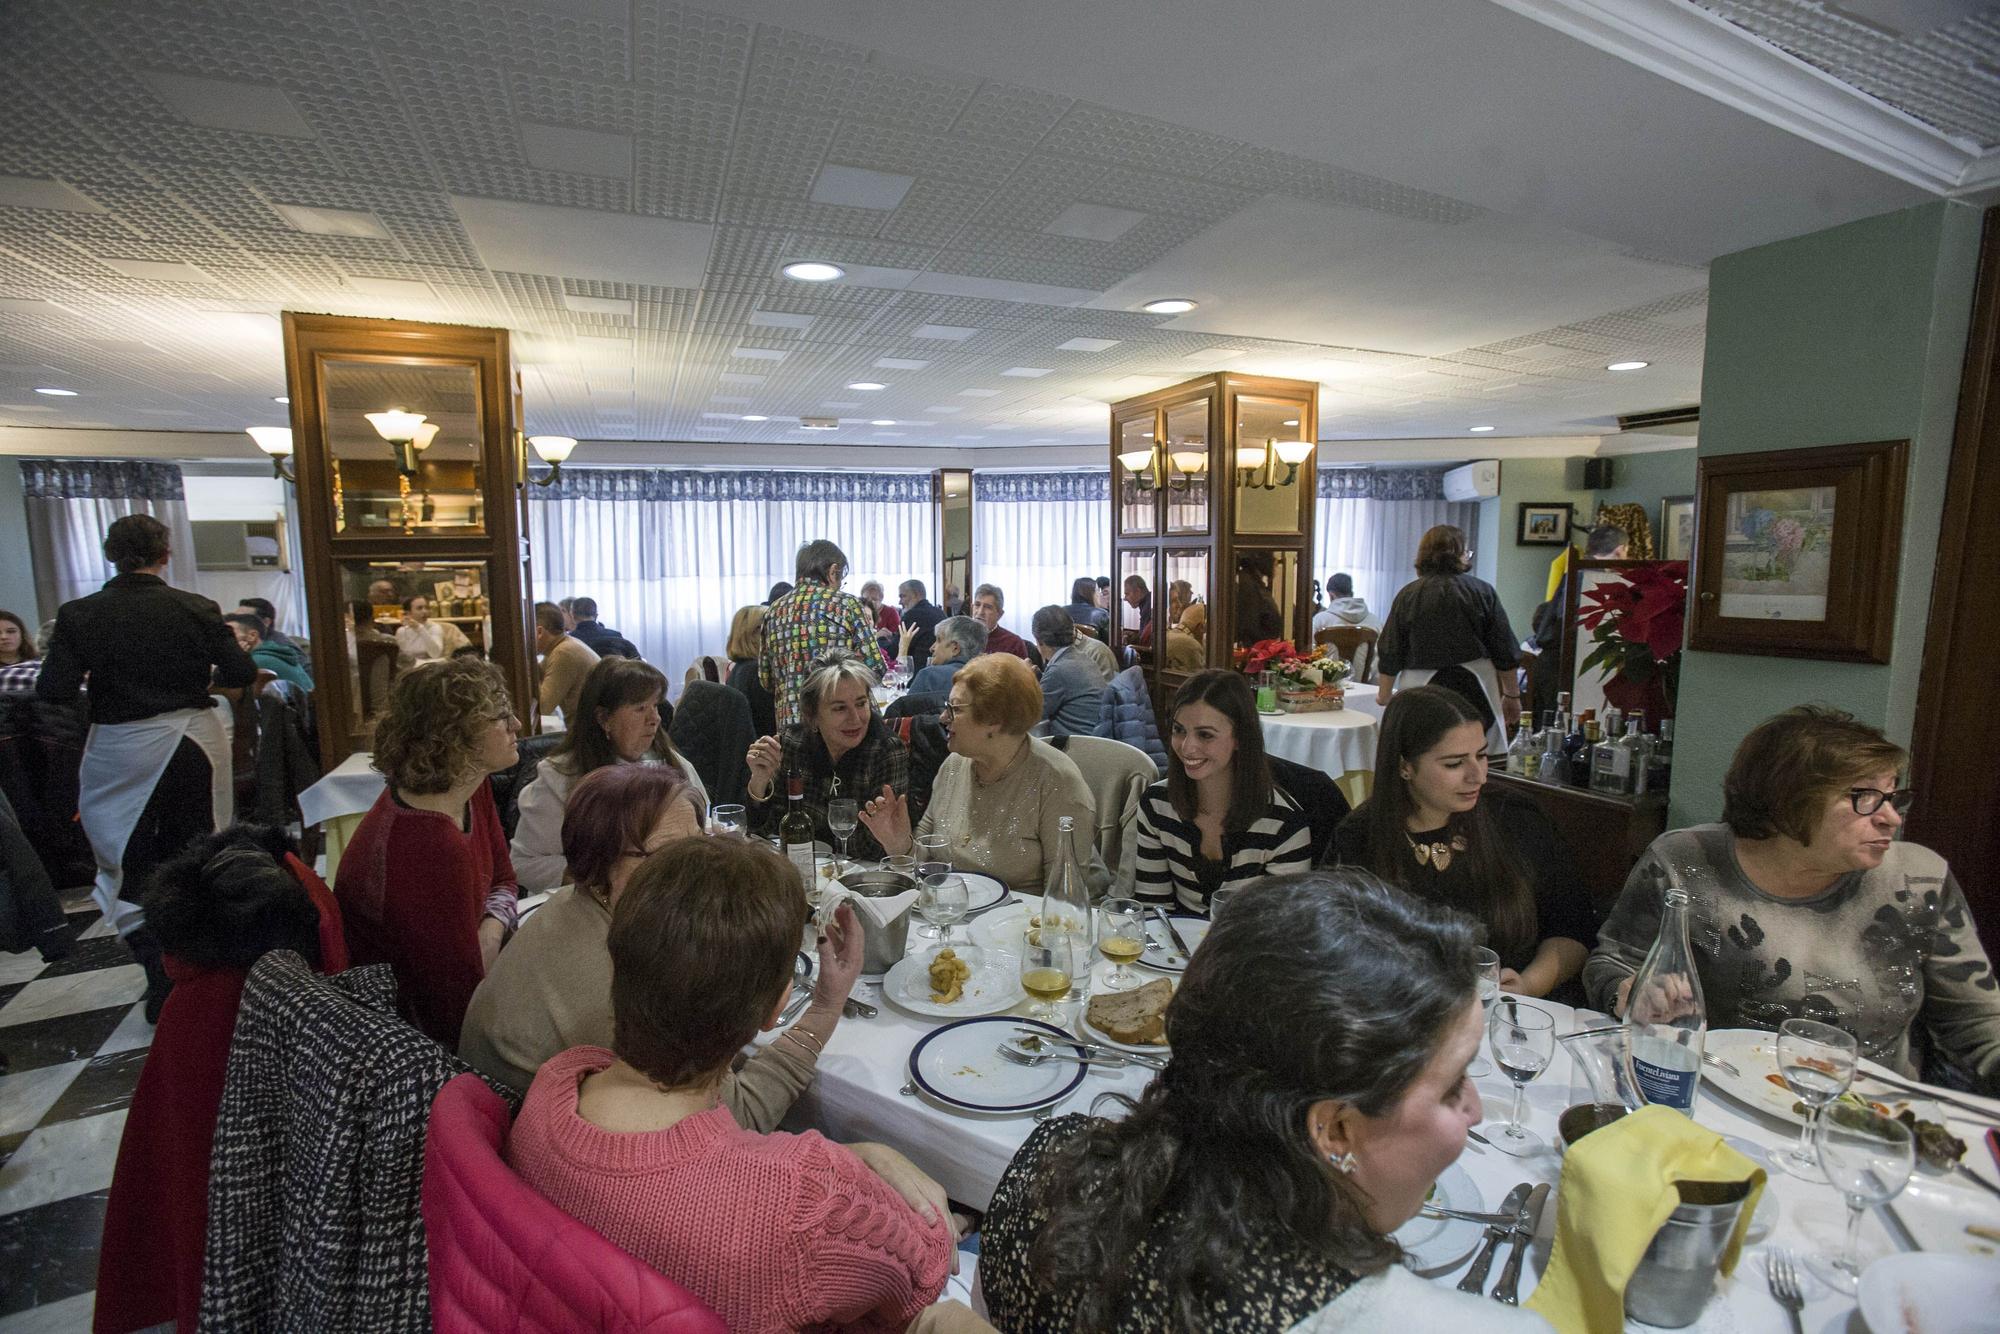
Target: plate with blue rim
959, 1067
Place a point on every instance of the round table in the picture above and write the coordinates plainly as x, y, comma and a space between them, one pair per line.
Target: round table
1338, 742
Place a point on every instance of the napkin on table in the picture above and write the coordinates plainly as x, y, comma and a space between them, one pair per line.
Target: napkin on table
880, 911
1617, 1189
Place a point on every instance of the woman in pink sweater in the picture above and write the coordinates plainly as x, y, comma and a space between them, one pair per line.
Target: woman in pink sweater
773, 1232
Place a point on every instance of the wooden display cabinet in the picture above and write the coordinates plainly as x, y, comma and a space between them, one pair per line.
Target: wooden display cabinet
394, 510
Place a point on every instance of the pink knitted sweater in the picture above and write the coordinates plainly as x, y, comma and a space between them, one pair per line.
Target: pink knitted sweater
773, 1232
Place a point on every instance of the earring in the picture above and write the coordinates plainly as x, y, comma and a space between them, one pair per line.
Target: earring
1344, 1163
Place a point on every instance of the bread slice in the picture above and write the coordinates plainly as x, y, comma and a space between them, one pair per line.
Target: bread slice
1138, 1016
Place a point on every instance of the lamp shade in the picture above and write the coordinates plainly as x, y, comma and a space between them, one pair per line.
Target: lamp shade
1136, 460
1294, 452
426, 433
1250, 456
395, 425
273, 440
1191, 461
552, 448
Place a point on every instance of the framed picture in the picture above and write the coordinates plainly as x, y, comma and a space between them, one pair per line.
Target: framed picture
1676, 532
1543, 525
1798, 551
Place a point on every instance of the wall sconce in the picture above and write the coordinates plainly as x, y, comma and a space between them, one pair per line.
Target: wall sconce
408, 432
1189, 465
1291, 453
275, 441
1140, 463
1249, 458
553, 450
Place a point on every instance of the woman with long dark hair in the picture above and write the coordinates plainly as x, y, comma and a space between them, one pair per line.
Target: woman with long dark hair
1220, 819
1447, 626
1317, 1089
1430, 828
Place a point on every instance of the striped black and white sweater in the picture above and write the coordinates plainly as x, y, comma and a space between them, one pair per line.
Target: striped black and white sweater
1169, 870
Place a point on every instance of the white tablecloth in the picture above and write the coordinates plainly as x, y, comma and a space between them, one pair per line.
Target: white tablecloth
1339, 742
350, 789
857, 1097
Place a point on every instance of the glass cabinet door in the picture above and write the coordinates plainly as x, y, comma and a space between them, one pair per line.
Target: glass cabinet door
404, 444
1271, 446
1188, 597
1187, 466
1132, 601
1266, 596
1136, 474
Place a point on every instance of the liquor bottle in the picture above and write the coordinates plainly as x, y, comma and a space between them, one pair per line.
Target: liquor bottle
1610, 768
1066, 903
796, 833
1665, 1021
1550, 768
1576, 750
1660, 764
1521, 756
1611, 722
1638, 746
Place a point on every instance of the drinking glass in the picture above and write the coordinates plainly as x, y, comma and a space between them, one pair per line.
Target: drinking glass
1121, 938
1524, 1042
727, 818
842, 815
1048, 959
942, 902
1488, 965
933, 863
1817, 1061
1868, 1157
1217, 901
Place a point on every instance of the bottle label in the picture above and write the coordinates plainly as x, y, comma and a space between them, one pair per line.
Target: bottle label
1669, 1076
801, 855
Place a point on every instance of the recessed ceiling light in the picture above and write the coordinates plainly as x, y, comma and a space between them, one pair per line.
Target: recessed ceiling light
1477, 429
755, 417
1168, 305
866, 384
56, 393
813, 271
883, 421
1293, 422
280, 398
1628, 365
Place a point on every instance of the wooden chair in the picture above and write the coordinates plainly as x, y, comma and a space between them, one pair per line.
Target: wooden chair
1356, 643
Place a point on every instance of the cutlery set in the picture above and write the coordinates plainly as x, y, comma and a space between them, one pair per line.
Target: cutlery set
1520, 1213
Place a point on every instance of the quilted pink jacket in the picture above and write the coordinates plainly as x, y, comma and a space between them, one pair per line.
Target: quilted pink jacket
504, 1260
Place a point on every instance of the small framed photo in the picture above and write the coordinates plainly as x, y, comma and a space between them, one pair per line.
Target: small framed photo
1676, 530
1543, 525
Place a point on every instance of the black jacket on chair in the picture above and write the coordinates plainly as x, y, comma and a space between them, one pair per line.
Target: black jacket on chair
712, 727
1319, 797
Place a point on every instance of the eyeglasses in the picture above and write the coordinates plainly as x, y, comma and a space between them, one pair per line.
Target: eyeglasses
1868, 800
946, 710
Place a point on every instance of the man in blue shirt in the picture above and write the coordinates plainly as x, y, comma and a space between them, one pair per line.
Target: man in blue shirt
960, 639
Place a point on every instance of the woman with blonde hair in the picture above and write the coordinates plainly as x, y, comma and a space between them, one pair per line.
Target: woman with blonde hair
746, 646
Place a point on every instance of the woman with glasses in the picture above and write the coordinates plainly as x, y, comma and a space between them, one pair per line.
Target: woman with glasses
1803, 904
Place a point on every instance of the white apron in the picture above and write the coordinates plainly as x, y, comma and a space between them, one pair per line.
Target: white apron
1489, 681
122, 763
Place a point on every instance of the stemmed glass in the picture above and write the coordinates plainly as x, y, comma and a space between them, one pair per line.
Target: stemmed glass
1868, 1157
1488, 965
727, 818
1121, 938
933, 863
942, 902
1218, 901
1817, 1061
1524, 1042
1048, 959
842, 815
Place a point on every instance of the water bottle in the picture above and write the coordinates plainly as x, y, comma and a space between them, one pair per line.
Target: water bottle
1664, 1013
1066, 904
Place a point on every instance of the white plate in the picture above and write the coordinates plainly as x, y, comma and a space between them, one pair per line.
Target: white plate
1096, 1034
960, 1068
1937, 1294
1160, 952
1002, 929
1754, 1053
995, 985
1935, 1211
1440, 1245
981, 891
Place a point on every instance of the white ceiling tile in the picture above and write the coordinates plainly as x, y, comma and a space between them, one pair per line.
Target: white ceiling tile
159, 271
1088, 345
31, 192
943, 333
226, 104
900, 364
979, 393
859, 187
943, 409
760, 354
1027, 372
777, 319
393, 289
1094, 222
598, 305
581, 243
568, 149
738, 377
332, 221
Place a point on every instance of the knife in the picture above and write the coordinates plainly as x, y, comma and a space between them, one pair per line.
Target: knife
1962, 1170
855, 1009
1179, 944
1509, 1287
1475, 1278
1916, 1090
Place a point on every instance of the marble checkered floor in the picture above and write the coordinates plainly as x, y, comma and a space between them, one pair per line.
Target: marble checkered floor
75, 1036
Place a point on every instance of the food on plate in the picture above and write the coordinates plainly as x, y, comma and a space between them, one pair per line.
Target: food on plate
948, 977
1936, 1145
1138, 1017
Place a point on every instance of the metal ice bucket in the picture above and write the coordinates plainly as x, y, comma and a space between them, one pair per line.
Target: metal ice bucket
882, 947
1677, 1273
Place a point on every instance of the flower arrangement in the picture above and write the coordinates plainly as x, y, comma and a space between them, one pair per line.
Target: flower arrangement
1311, 680
1638, 624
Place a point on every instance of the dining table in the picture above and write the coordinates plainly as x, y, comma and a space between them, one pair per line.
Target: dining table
1340, 743
864, 1091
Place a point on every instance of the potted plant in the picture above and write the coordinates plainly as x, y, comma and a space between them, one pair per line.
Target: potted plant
1305, 682
1637, 624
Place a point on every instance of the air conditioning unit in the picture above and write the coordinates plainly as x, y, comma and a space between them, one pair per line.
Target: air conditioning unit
232, 544
1475, 481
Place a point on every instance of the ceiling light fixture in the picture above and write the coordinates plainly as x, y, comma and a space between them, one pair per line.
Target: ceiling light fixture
1169, 305
280, 398
882, 421
755, 417
866, 385
819, 423
1628, 365
553, 450
53, 392
402, 429
276, 442
1478, 430
813, 271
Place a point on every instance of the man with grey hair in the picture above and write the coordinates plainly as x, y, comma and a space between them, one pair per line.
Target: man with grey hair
1072, 686
988, 604
811, 621
920, 621
960, 639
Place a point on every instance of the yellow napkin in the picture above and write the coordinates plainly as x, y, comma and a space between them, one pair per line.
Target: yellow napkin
1617, 1189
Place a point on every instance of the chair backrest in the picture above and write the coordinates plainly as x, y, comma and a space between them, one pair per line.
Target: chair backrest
1118, 776
1319, 797
712, 727
1127, 715
503, 1257
376, 661
508, 784
1356, 643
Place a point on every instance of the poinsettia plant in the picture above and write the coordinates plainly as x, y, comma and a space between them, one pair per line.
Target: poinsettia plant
1291, 669
1637, 624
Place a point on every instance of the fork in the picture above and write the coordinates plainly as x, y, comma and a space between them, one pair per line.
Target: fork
1783, 1271
1089, 1062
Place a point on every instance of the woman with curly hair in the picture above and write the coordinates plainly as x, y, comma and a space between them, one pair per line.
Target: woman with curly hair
426, 885
1316, 1091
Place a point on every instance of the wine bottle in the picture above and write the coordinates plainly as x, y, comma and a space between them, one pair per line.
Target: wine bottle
796, 833
1665, 1020
1066, 903
1660, 763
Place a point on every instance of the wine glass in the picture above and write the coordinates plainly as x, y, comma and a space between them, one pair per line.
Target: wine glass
933, 863
1219, 900
842, 815
727, 818
1524, 1042
1487, 964
1817, 1061
942, 902
1047, 960
1868, 1157
1121, 938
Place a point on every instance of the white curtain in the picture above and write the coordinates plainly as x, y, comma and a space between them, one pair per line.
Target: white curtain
1370, 524
671, 556
71, 504
1035, 534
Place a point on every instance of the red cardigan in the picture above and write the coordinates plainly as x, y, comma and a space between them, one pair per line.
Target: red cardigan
412, 888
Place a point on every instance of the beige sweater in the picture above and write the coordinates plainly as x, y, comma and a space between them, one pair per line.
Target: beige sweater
563, 670
1008, 828
550, 990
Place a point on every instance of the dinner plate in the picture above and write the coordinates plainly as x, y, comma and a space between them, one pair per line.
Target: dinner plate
1160, 952
995, 985
1434, 1246
959, 1067
1935, 1211
1002, 929
1096, 1034
1754, 1053
1937, 1294
981, 891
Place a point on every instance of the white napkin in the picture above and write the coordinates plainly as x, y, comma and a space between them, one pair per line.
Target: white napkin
882, 911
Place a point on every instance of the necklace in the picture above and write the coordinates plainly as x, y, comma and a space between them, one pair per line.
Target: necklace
1436, 855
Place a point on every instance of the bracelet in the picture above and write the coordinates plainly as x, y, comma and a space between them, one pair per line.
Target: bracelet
815, 1051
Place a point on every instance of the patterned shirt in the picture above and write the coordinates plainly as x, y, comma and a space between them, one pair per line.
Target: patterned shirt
805, 625
19, 678
880, 760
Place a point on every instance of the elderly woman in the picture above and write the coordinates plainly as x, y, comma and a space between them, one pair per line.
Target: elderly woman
1219, 821
746, 645
1000, 796
959, 639
425, 884
621, 718
1317, 1089
1430, 827
551, 988
1803, 904
888, 621
840, 749
772, 1232
1448, 625
420, 639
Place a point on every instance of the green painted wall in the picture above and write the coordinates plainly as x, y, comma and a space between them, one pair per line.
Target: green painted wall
1521, 574
17, 565
1642, 479
1852, 334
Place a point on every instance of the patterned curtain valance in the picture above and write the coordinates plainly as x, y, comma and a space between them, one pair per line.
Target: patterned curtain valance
1382, 483
1009, 487
100, 479
683, 484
